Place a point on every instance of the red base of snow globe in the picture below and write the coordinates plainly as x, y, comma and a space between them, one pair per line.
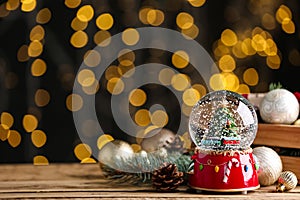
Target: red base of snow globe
224, 171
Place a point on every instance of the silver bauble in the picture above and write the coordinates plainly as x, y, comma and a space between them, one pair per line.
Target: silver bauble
279, 106
286, 181
113, 151
270, 165
157, 139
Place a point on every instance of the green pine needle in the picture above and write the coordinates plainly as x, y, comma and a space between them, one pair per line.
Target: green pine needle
274, 86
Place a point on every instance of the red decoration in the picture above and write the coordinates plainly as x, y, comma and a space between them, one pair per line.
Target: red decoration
230, 174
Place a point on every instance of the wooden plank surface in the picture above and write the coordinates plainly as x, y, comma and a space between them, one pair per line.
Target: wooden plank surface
278, 135
84, 181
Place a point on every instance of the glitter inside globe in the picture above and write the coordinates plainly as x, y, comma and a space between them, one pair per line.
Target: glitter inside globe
223, 120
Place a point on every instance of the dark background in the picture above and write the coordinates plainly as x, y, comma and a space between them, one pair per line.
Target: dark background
56, 120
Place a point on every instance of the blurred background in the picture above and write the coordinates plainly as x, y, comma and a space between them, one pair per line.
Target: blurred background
43, 43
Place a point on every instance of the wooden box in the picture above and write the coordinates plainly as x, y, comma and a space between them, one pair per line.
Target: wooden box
285, 136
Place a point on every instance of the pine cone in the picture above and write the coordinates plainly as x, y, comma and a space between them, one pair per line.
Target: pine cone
167, 177
175, 146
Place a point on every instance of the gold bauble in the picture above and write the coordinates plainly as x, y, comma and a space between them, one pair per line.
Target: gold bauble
286, 181
270, 165
157, 139
114, 151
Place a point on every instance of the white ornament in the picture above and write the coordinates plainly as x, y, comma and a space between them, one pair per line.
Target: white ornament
270, 165
279, 106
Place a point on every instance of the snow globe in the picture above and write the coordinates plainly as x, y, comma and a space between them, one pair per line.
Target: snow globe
223, 125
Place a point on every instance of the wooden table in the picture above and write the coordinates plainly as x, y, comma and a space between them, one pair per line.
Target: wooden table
84, 181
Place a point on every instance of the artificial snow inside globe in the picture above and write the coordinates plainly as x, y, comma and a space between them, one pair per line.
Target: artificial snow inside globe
223, 125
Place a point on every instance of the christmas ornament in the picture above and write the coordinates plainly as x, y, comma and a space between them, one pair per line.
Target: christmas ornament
167, 177
223, 125
279, 106
157, 139
114, 151
286, 181
270, 165
176, 145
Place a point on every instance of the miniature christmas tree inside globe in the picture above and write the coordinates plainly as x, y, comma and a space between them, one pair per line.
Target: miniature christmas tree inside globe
223, 120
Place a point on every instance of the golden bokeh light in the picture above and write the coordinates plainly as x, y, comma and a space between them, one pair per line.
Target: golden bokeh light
74, 102
72, 3
7, 119
237, 50
142, 117
197, 3
14, 138
79, 39
43, 16
227, 63
268, 21
4, 132
155, 17
143, 15
288, 26
165, 76
85, 13
247, 47
159, 118
243, 89
126, 57
30, 123
231, 81
250, 77
180, 59
228, 37
180, 82
136, 148
22, 54
86, 77
216, 82
12, 5
273, 62
78, 25
38, 67
200, 88
112, 72
150, 128
294, 57
3, 11
82, 151
137, 97
102, 38
92, 89
259, 43
103, 140
184, 20
115, 86
38, 138
40, 160
190, 33
104, 21
35, 48
186, 109
283, 13
37, 33
88, 161
271, 49
130, 36
190, 96
41, 97
28, 5
92, 58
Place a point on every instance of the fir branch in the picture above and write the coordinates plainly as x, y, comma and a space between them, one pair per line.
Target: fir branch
274, 86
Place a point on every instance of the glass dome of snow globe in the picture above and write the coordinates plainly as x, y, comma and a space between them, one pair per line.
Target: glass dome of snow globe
223, 120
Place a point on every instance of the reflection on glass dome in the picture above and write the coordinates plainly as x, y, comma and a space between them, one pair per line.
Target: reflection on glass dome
223, 120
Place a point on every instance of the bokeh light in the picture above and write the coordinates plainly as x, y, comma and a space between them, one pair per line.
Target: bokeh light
142, 117
38, 67
228, 37
74, 102
137, 97
82, 151
190, 96
14, 138
85, 13
180, 82
40, 160
130, 36
115, 86
30, 123
72, 3
7, 119
159, 118
38, 138
180, 59
41, 97
197, 3
165, 76
102, 38
103, 140
78, 25
250, 76
43, 16
79, 39
184, 20
104, 21
37, 33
